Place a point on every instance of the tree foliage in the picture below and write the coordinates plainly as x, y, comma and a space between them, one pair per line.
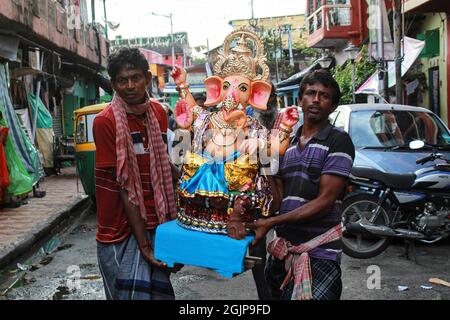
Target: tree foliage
343, 74
199, 60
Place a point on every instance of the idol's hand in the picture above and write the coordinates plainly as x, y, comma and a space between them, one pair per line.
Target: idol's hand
235, 226
179, 75
290, 117
184, 116
236, 230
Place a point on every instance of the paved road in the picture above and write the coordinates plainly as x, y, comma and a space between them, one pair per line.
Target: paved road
52, 274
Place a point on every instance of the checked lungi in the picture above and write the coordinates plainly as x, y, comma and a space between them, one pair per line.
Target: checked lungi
128, 276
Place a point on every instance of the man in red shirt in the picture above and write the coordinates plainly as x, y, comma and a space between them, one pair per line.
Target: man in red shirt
134, 190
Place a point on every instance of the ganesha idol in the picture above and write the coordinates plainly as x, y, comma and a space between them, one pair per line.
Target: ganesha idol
222, 186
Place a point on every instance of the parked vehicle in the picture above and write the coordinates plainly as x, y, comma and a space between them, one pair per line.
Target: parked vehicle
390, 195
84, 145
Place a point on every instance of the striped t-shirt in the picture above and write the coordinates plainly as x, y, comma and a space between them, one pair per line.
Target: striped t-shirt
112, 224
330, 151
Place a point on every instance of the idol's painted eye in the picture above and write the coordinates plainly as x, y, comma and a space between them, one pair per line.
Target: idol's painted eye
226, 85
243, 87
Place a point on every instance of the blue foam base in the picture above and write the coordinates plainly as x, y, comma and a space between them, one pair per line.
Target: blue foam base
174, 244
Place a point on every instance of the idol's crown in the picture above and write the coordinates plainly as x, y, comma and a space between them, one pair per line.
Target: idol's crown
242, 59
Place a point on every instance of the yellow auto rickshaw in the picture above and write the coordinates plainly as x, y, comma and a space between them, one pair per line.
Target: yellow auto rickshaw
84, 145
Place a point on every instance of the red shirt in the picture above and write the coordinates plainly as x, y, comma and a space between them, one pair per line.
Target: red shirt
111, 219
4, 173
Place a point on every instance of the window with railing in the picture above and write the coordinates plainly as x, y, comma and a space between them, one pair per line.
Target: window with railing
337, 13
338, 16
310, 7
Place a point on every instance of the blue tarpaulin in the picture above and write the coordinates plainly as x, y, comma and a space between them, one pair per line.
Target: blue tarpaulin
25, 149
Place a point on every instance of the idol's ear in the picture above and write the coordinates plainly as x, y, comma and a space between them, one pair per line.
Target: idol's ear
213, 87
260, 94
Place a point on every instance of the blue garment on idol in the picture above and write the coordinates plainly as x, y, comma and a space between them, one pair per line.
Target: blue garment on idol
249, 111
210, 177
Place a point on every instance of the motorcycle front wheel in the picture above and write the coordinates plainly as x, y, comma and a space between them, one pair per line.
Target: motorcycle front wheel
361, 208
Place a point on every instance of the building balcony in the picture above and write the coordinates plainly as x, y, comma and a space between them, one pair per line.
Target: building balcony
45, 23
426, 6
334, 25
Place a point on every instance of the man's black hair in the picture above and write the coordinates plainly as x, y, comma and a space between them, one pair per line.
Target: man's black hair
323, 77
199, 95
126, 57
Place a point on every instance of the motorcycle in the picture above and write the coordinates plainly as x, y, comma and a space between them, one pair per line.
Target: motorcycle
381, 206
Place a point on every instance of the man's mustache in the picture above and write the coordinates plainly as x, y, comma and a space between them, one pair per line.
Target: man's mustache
315, 106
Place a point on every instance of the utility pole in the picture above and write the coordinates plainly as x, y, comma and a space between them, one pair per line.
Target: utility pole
169, 16
398, 50
291, 54
93, 10
106, 19
382, 74
173, 44
281, 47
40, 61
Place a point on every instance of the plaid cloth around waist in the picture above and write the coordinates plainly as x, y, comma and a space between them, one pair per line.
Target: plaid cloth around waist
296, 260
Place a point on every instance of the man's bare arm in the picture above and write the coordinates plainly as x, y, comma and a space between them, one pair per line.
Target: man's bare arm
276, 186
330, 189
137, 225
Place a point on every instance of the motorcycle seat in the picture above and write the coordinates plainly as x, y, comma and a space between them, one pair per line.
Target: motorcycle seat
391, 180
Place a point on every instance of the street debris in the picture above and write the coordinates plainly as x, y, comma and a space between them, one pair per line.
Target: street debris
46, 260
82, 228
23, 267
61, 293
439, 281
90, 277
34, 267
50, 245
402, 288
64, 247
426, 287
27, 267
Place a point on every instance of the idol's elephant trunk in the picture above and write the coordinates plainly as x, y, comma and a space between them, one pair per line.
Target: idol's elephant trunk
237, 116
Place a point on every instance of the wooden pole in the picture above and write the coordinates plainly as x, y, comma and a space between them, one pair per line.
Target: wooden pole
398, 50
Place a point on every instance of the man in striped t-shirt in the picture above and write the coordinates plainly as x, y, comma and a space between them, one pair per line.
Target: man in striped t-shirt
312, 180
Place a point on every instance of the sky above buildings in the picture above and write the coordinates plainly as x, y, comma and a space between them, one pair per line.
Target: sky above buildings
204, 20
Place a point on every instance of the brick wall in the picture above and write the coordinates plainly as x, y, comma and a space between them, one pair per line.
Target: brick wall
48, 20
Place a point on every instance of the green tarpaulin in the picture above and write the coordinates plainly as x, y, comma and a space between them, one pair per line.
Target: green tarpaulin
44, 130
21, 182
44, 118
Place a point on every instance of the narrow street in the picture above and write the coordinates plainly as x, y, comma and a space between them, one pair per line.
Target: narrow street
53, 276
347, 102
